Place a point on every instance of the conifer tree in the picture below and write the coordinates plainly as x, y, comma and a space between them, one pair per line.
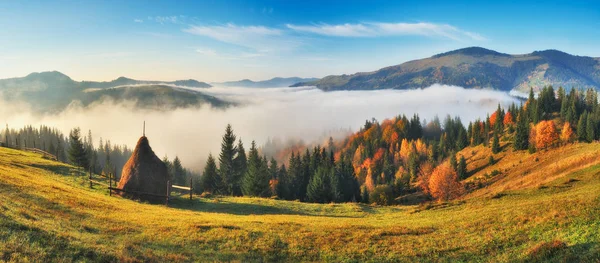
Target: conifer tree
227, 172
77, 154
461, 169
581, 127
522, 132
210, 176
590, 127
319, 187
241, 165
495, 144
179, 176
256, 180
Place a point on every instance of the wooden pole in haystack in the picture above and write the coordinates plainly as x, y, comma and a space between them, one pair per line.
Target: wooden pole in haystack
191, 188
168, 192
109, 184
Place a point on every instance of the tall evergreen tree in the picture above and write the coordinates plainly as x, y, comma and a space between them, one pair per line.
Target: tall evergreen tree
461, 168
77, 153
179, 175
590, 127
210, 176
319, 187
227, 172
495, 143
256, 180
581, 127
241, 165
522, 132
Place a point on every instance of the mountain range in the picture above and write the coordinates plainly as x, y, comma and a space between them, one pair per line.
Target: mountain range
54, 91
476, 67
271, 83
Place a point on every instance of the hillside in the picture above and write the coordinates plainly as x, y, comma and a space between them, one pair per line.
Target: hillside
476, 67
53, 91
271, 83
48, 214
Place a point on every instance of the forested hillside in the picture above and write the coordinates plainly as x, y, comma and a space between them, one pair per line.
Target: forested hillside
402, 159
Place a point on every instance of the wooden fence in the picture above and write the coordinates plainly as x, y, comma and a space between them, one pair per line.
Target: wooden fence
167, 197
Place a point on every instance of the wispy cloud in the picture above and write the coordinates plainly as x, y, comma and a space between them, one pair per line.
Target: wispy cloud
138, 20
208, 52
260, 38
167, 19
388, 29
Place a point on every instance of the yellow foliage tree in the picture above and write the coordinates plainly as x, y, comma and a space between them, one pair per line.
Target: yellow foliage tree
545, 134
406, 148
443, 183
421, 147
567, 135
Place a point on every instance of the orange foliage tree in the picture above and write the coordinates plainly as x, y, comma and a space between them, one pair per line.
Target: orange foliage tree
424, 174
508, 119
567, 135
406, 148
443, 183
545, 134
493, 119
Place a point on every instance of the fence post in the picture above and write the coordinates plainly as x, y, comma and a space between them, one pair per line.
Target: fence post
109, 184
191, 188
168, 192
90, 178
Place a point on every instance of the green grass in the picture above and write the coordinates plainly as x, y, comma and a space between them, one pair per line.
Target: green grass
47, 213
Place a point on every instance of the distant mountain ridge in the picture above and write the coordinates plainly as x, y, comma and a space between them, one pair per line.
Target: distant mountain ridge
476, 67
270, 83
53, 91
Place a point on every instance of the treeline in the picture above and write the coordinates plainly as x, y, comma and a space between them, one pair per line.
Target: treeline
403, 156
78, 150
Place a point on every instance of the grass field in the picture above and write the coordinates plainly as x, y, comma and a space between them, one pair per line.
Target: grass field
530, 211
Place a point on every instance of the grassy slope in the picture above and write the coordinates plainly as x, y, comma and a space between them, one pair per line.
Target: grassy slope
48, 215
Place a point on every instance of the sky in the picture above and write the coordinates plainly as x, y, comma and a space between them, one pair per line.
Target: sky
230, 40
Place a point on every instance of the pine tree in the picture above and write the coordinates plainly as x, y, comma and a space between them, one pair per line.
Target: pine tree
227, 172
581, 127
495, 144
241, 165
210, 176
179, 176
453, 161
319, 187
461, 169
522, 133
77, 154
256, 180
590, 127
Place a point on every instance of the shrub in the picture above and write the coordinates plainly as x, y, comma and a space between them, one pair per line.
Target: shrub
382, 195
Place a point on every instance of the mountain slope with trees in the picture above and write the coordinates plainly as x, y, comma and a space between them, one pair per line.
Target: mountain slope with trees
476, 67
54, 91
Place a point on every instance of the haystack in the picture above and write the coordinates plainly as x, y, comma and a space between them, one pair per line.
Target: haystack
144, 174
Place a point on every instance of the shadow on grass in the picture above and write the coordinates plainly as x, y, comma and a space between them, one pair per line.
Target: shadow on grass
57, 169
215, 205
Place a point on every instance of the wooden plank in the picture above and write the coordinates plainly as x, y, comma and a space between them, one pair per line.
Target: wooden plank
100, 183
181, 187
135, 192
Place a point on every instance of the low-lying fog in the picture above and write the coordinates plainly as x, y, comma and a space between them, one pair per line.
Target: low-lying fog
298, 113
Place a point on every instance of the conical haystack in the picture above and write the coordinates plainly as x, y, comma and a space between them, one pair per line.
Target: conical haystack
144, 176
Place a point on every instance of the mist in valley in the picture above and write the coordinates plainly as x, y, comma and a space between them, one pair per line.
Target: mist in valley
261, 114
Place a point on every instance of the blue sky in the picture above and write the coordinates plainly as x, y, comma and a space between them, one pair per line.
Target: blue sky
229, 40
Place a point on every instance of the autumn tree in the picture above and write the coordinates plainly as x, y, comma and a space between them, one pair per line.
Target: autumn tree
545, 134
567, 135
444, 184
508, 119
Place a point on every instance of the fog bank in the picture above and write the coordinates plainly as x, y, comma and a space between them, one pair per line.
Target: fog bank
284, 113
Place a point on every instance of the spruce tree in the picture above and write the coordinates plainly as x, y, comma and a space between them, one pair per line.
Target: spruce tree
581, 127
179, 175
241, 165
227, 172
210, 176
495, 144
522, 132
319, 188
77, 154
590, 127
461, 169
256, 180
